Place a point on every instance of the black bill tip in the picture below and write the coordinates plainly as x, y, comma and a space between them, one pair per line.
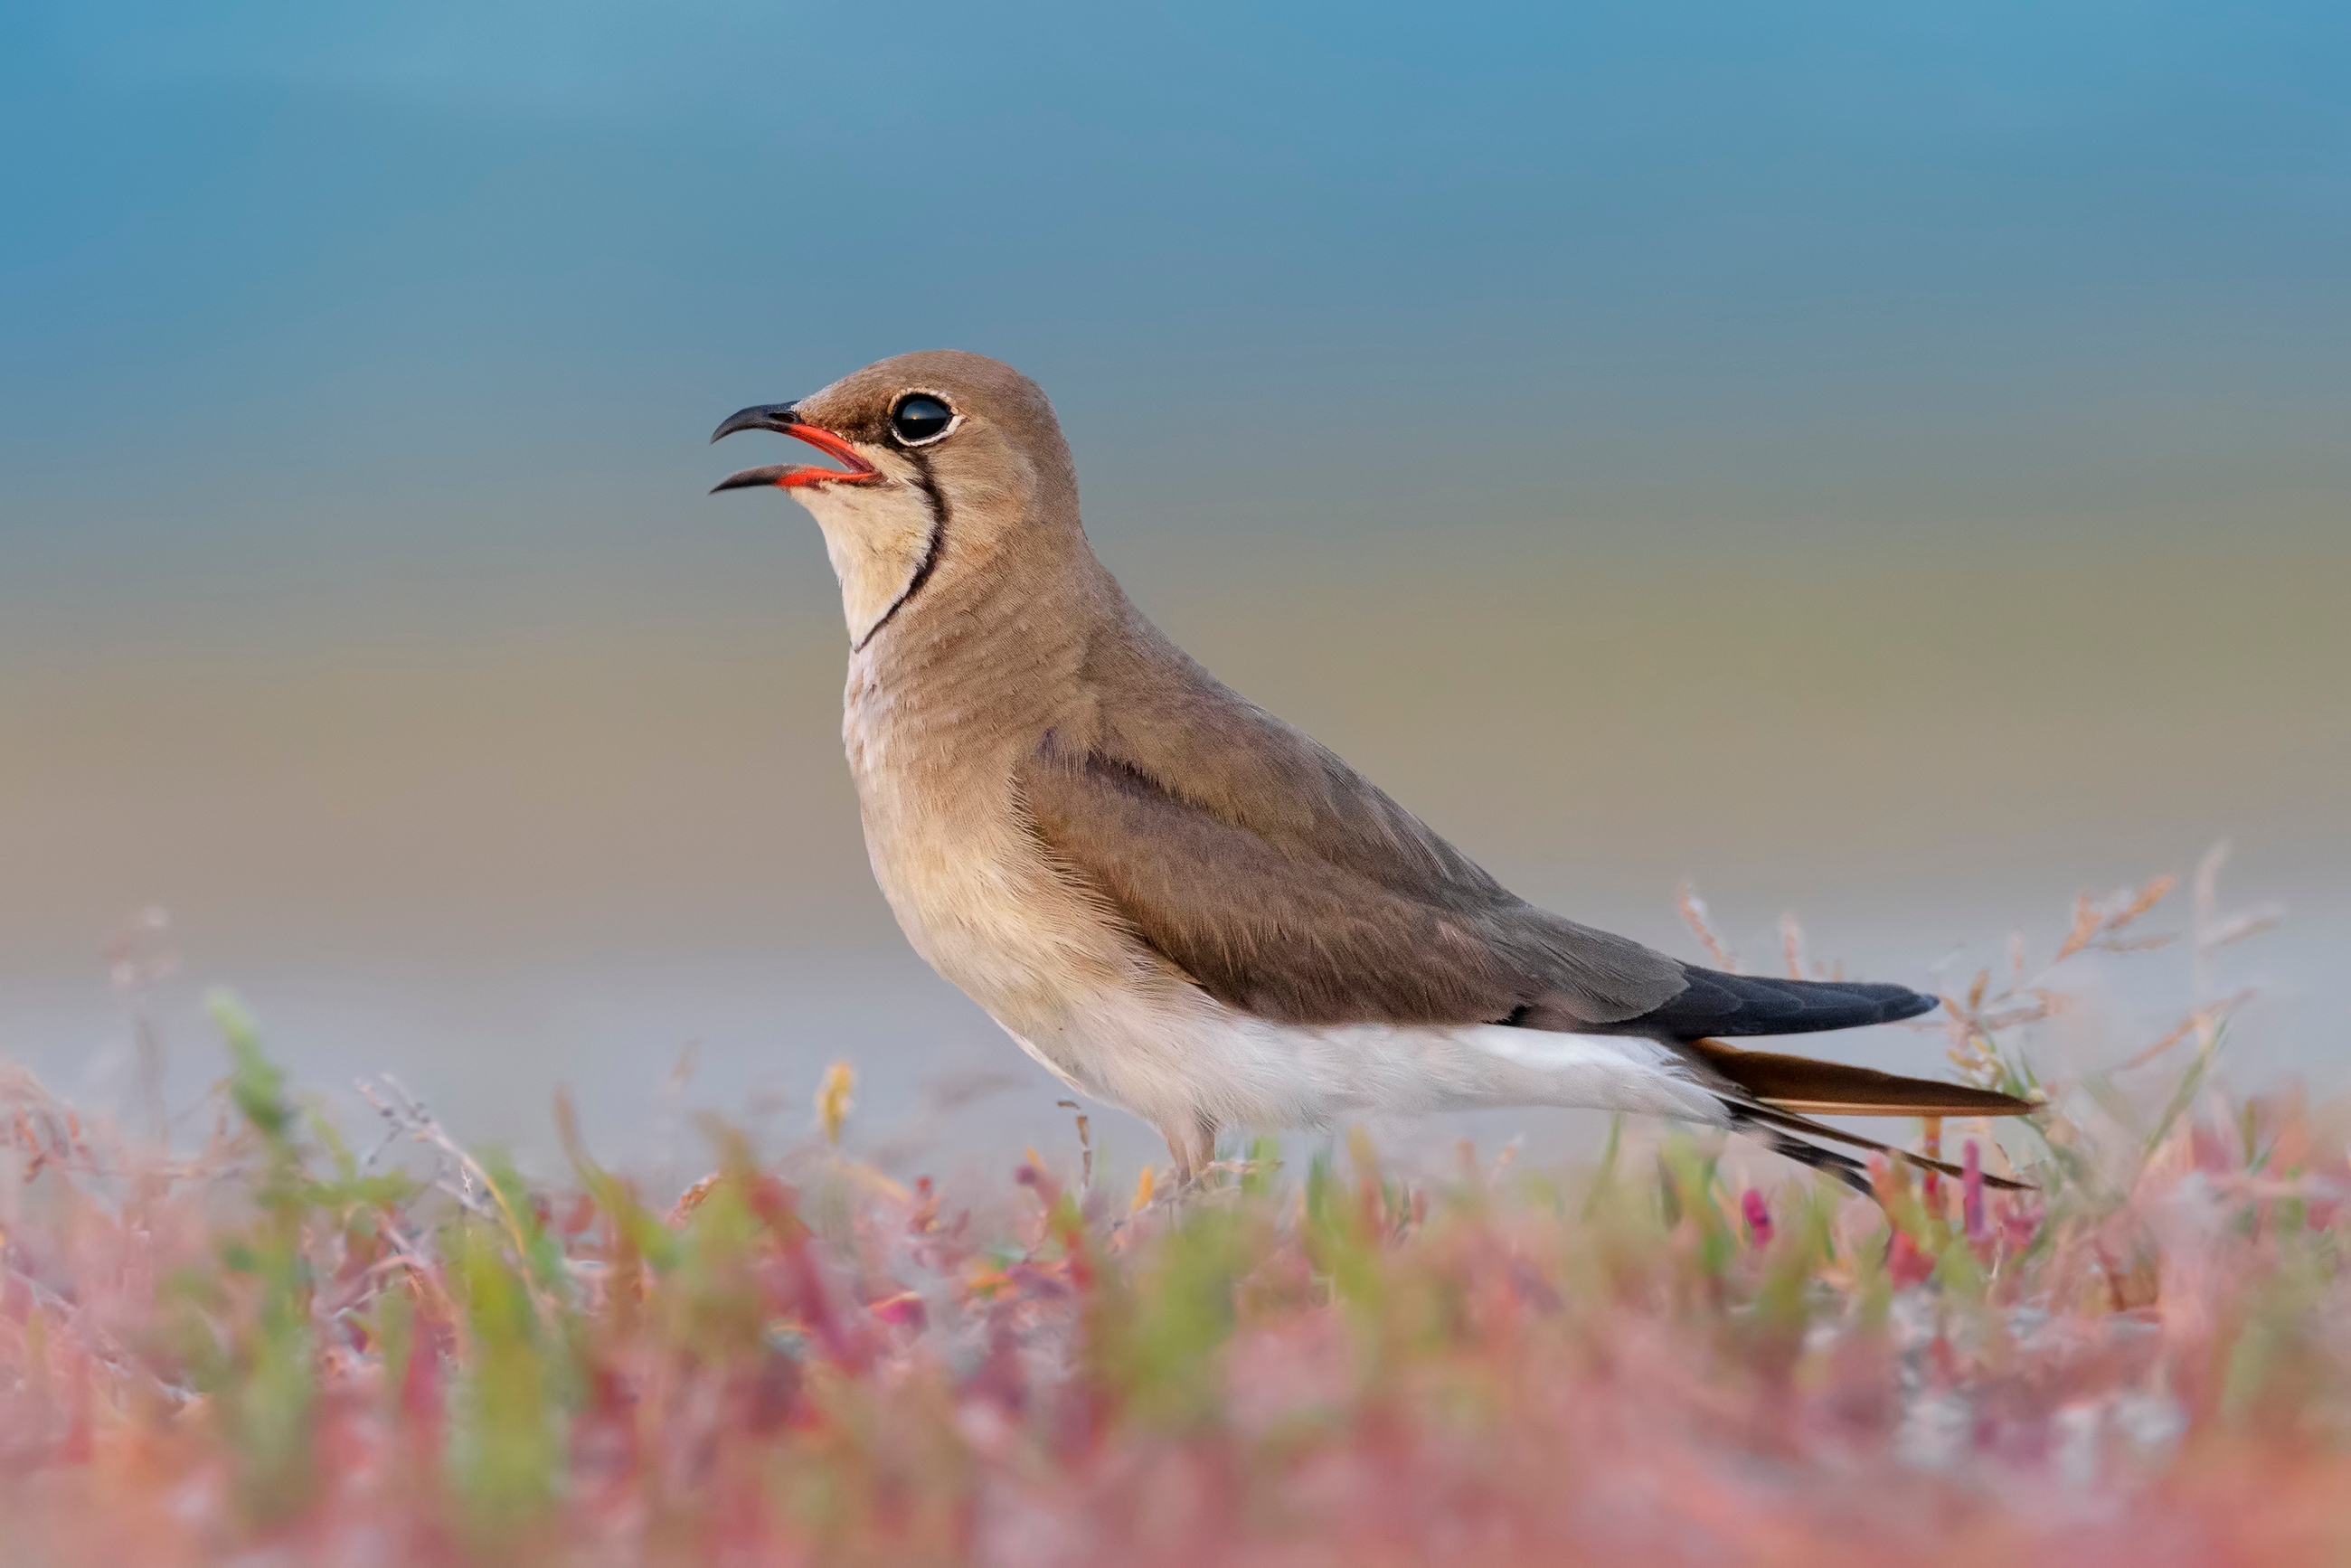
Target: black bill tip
758, 416
751, 478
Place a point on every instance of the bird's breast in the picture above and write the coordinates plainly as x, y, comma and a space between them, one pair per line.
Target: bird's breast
952, 849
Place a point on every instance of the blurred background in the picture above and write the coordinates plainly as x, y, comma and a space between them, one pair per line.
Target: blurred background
1885, 463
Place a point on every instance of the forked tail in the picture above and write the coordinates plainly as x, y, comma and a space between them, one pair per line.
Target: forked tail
1774, 1095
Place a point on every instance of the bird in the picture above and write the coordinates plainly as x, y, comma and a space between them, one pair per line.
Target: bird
1180, 904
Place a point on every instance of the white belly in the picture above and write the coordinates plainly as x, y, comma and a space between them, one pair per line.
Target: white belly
1179, 1061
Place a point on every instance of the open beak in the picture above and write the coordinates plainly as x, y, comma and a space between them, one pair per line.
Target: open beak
783, 417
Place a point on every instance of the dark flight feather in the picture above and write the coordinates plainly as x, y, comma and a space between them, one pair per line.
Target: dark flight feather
1714, 1003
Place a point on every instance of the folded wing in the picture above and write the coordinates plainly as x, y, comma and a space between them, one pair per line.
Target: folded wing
1288, 887
1377, 926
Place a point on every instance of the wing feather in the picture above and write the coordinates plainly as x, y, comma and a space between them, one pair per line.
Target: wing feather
1308, 928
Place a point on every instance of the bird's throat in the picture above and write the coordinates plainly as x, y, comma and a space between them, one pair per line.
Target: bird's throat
883, 543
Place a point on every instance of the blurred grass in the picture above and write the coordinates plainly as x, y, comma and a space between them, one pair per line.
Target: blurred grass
399, 1350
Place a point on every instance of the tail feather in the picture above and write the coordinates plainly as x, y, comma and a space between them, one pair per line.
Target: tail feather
1785, 1093
1850, 1171
1799, 1083
1746, 1118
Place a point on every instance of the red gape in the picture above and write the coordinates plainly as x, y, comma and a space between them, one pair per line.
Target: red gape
791, 476
860, 472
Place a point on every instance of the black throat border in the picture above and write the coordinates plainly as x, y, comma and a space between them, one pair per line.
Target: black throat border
928, 485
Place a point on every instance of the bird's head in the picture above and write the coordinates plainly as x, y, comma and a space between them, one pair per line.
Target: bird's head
941, 454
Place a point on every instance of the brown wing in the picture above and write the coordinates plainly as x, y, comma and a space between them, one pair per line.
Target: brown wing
1312, 897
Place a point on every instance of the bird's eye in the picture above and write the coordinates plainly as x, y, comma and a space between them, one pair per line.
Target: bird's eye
920, 418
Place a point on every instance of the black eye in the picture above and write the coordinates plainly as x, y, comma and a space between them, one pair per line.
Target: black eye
920, 418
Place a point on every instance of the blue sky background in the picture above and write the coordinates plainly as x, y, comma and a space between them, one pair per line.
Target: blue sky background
1886, 460
347, 281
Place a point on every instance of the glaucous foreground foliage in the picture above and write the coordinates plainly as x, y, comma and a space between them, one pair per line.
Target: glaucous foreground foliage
276, 1347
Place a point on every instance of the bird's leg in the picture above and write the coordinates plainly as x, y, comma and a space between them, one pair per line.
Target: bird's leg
1194, 1149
